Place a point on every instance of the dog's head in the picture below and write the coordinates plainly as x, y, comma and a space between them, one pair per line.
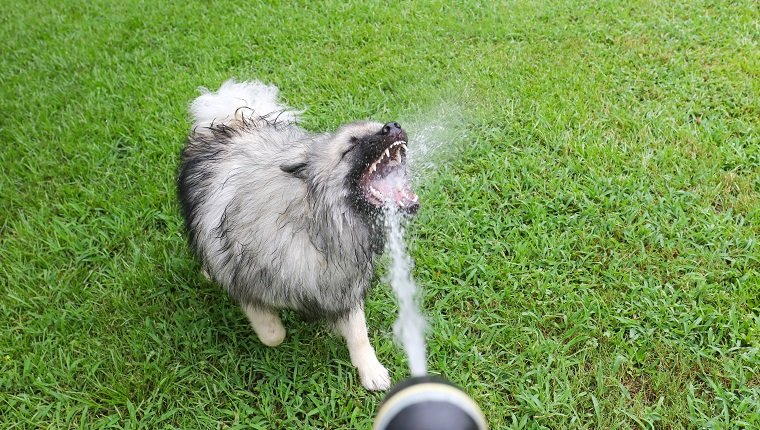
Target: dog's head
363, 162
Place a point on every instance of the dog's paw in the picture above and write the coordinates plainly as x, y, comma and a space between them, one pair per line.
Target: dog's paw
267, 325
272, 335
375, 377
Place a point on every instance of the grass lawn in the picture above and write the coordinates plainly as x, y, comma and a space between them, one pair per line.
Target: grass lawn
587, 246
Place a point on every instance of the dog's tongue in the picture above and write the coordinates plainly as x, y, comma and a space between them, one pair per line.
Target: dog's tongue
402, 195
395, 188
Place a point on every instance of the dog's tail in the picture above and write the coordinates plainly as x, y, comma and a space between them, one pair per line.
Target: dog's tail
240, 101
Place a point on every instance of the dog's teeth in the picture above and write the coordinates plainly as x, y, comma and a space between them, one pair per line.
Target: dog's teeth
408, 194
403, 145
376, 193
388, 152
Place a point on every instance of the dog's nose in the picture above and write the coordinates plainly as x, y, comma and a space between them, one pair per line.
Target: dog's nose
391, 128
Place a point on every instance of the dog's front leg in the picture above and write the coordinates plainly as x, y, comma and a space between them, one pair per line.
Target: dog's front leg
353, 327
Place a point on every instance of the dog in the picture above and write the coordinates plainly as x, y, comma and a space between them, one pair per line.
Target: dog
283, 218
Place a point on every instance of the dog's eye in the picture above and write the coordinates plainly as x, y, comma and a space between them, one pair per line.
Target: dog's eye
353, 142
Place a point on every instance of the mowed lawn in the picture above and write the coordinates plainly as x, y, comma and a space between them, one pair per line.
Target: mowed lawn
587, 245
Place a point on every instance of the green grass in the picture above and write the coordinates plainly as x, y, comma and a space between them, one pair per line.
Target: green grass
587, 246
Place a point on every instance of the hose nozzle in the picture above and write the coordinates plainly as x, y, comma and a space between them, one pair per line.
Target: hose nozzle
428, 403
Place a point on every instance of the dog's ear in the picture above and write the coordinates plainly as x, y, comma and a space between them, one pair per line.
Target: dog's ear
297, 169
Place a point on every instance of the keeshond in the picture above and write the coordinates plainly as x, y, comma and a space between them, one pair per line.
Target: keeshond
283, 218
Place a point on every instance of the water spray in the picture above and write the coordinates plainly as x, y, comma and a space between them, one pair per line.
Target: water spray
421, 402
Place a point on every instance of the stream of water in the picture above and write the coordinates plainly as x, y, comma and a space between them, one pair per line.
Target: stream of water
410, 325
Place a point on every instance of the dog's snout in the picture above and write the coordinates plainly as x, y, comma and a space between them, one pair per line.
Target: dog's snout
391, 128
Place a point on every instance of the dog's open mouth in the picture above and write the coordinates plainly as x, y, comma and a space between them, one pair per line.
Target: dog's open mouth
385, 181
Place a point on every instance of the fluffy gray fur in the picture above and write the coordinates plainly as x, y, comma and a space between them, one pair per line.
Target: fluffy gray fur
283, 218
267, 205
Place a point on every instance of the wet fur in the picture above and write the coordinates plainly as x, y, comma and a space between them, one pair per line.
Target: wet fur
269, 207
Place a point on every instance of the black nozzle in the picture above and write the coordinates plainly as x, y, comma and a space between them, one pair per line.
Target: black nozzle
428, 403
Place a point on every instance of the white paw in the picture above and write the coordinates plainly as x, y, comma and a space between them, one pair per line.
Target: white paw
267, 325
272, 335
375, 377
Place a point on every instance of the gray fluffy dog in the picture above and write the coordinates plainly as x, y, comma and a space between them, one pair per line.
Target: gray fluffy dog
285, 219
